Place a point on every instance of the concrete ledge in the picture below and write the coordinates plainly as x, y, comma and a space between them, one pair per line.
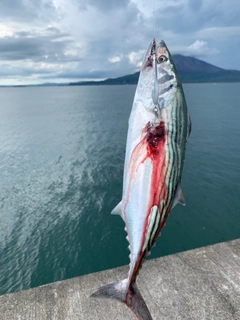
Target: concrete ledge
198, 284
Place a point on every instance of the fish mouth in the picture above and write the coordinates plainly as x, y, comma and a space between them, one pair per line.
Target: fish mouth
148, 58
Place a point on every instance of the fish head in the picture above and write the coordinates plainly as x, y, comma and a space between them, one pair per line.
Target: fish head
158, 80
167, 77
146, 77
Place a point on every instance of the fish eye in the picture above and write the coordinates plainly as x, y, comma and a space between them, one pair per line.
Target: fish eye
162, 58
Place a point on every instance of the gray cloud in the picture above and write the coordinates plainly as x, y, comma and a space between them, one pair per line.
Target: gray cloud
188, 16
21, 10
85, 39
108, 5
37, 47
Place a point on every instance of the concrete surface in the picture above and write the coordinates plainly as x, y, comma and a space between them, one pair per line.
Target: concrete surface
197, 284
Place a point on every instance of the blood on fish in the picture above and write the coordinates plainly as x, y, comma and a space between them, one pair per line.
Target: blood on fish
155, 139
149, 62
152, 147
150, 182
154, 136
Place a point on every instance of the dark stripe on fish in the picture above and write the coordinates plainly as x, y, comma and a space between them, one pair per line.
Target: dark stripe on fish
151, 238
166, 89
166, 78
172, 158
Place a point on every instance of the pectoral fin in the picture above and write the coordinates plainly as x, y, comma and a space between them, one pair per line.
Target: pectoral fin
179, 197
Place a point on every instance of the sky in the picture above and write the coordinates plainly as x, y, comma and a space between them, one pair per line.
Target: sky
77, 40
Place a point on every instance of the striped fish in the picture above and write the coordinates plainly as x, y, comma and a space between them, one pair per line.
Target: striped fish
159, 126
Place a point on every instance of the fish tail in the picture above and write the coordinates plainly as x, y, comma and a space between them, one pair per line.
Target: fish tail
129, 295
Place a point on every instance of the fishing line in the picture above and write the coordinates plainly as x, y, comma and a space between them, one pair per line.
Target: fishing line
154, 19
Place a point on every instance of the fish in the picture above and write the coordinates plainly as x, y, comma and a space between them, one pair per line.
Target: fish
158, 130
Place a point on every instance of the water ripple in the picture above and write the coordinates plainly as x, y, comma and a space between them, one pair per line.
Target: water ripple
61, 163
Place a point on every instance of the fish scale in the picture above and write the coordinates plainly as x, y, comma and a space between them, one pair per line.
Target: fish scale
159, 126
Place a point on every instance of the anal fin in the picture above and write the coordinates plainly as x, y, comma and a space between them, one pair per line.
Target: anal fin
118, 210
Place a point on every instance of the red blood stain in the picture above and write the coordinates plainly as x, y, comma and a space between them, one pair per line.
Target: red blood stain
149, 62
154, 137
152, 146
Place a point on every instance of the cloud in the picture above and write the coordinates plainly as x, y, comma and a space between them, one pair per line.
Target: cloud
35, 46
115, 59
22, 10
220, 33
83, 39
200, 48
136, 57
106, 5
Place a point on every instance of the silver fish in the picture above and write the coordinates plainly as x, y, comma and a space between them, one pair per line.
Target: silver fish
159, 126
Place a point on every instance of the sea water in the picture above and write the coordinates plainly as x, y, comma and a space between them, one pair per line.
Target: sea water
61, 167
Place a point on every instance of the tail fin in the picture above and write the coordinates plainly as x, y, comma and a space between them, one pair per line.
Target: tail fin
129, 295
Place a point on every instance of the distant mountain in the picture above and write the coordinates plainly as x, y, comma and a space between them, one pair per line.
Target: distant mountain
194, 70
190, 70
129, 79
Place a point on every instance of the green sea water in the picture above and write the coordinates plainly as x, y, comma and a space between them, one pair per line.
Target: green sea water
61, 166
